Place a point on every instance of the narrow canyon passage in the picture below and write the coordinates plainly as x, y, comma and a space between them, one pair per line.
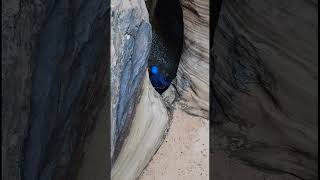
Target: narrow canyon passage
77, 72
184, 153
157, 121
167, 36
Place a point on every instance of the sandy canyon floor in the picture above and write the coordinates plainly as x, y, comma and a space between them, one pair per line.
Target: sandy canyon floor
184, 153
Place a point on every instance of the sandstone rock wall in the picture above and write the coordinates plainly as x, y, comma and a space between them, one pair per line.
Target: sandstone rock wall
139, 117
54, 84
145, 137
193, 72
264, 84
192, 83
130, 44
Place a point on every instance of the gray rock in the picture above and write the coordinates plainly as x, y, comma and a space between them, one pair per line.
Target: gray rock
264, 86
131, 40
54, 84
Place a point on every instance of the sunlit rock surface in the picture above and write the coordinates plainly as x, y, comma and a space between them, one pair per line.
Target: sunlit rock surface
146, 134
139, 117
193, 71
264, 88
130, 44
185, 151
141, 134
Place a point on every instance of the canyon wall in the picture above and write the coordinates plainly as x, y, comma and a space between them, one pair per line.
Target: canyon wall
139, 117
138, 135
130, 44
193, 72
54, 85
264, 88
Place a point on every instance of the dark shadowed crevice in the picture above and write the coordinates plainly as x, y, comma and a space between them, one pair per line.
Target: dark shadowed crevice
215, 104
167, 36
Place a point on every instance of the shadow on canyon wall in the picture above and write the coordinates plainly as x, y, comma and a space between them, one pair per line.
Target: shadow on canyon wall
55, 64
55, 85
263, 86
167, 36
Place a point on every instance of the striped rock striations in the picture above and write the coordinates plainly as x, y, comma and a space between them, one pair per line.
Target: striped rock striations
264, 84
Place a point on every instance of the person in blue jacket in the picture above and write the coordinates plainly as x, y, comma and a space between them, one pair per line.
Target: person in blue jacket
158, 80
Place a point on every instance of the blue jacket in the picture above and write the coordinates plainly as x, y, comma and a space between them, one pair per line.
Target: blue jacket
159, 81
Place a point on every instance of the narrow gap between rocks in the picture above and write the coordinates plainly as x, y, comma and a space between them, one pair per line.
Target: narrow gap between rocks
167, 41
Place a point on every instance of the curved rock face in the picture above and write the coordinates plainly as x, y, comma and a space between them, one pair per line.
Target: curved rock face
130, 44
193, 72
139, 117
54, 77
146, 125
167, 40
264, 85
146, 134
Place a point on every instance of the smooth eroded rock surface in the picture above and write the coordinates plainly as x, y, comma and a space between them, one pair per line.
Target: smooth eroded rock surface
264, 86
130, 44
139, 117
54, 77
193, 72
146, 134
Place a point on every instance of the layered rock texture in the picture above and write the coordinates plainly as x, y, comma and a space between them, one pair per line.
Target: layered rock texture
54, 86
193, 71
264, 88
130, 44
141, 117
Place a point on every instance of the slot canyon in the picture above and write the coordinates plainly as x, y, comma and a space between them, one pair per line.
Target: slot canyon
179, 116
247, 77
